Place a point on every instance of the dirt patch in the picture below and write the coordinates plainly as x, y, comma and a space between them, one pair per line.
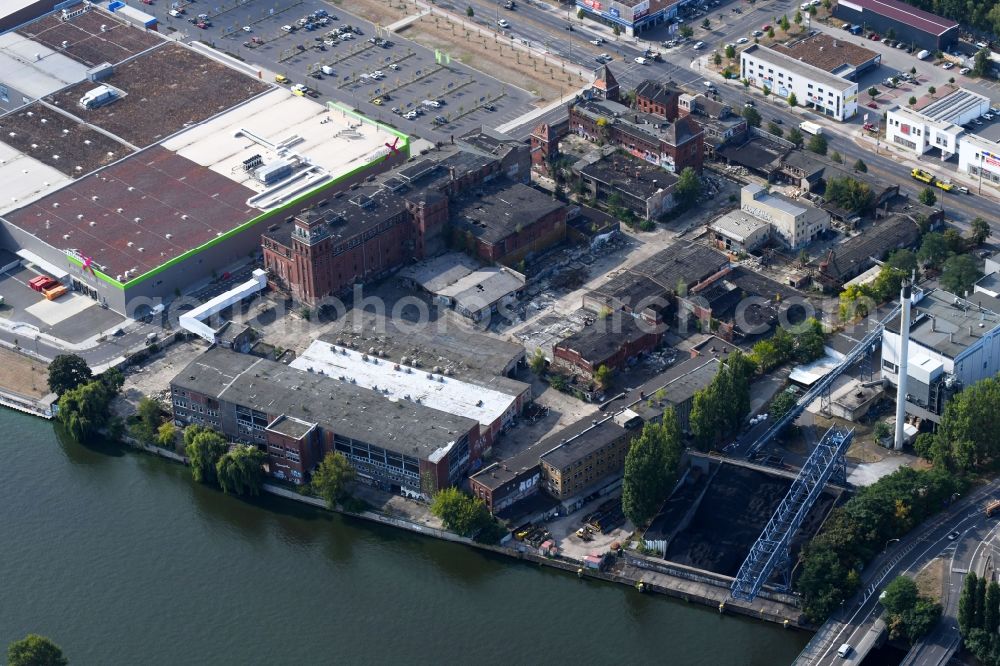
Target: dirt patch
166, 90
380, 12
23, 375
930, 579
484, 51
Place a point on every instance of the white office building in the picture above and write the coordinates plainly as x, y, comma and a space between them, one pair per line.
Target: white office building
937, 124
954, 343
979, 157
814, 88
795, 224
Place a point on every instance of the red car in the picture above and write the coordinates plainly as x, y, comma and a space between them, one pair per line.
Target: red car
765, 27
872, 105
874, 37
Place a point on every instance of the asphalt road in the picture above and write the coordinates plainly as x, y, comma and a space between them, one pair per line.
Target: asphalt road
908, 556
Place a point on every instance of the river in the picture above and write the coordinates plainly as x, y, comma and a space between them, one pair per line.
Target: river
121, 559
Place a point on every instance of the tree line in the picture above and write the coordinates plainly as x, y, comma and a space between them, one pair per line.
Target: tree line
979, 618
966, 439
831, 564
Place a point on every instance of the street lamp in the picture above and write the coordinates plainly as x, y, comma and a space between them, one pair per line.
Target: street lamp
886, 547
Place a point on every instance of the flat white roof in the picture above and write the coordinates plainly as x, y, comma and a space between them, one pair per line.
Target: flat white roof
23, 178
440, 272
916, 117
738, 225
405, 383
33, 68
797, 67
330, 139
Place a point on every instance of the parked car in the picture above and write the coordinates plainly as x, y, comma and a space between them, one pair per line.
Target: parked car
699, 45
964, 71
948, 65
742, 40
503, 23
641, 61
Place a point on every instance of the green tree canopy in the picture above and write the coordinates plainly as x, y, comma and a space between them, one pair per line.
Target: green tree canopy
537, 362
903, 260
959, 273
966, 437
461, 513
333, 477
241, 470
818, 144
849, 194
781, 404
719, 409
981, 62
860, 166
795, 136
752, 116
899, 595
651, 469
934, 250
166, 435
792, 100
67, 371
688, 187
35, 650
84, 410
204, 448
980, 231
730, 51
602, 376
927, 197
775, 129
147, 421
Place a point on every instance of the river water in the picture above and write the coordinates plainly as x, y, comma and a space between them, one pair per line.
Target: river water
121, 559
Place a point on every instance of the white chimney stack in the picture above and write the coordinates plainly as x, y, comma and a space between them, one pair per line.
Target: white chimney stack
904, 349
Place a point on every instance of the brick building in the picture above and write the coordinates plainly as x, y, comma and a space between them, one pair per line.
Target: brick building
298, 416
371, 230
610, 342
671, 145
656, 98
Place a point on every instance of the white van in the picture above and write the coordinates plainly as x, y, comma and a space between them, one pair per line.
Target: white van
844, 650
923, 55
326, 69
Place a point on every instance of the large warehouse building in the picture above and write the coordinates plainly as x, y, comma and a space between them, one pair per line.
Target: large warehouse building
909, 24
160, 178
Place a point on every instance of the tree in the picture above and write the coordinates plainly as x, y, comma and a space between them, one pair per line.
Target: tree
817, 144
537, 363
166, 435
849, 194
580, 14
204, 450
793, 101
241, 470
706, 24
899, 595
927, 197
981, 62
616, 30
860, 166
469, 11
770, 33
602, 376
651, 468
873, 92
686, 31
965, 439
912, 100
730, 51
147, 421
991, 614
798, 17
959, 273
67, 371
781, 404
980, 231
837, 157
83, 410
35, 650
333, 477
931, 90
795, 136
809, 343
719, 409
459, 512
688, 188
784, 24
967, 602
933, 250
752, 116
716, 59
775, 129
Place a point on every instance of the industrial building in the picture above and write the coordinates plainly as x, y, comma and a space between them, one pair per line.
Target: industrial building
458, 282
794, 223
611, 175
953, 344
493, 406
721, 124
831, 54
171, 178
610, 341
298, 416
937, 124
814, 88
858, 253
737, 231
912, 26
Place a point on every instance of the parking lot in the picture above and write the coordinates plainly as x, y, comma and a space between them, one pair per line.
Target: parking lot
411, 75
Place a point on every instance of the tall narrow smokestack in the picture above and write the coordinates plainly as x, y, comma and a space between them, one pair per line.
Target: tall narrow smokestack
904, 349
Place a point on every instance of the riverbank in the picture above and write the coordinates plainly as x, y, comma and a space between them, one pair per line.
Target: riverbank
644, 574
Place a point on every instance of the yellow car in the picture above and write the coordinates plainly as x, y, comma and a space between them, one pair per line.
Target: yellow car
299, 93
377, 101
280, 78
